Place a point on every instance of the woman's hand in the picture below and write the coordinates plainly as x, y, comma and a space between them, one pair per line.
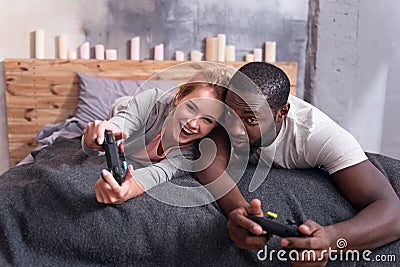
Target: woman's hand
94, 133
108, 191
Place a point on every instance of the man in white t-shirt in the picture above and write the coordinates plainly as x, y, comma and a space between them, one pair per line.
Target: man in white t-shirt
269, 127
309, 138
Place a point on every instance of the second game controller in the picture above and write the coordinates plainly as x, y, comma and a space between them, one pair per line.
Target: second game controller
276, 228
116, 162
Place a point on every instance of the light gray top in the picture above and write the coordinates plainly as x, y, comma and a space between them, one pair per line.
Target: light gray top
142, 117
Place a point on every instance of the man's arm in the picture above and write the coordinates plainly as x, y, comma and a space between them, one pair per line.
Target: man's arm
372, 194
365, 187
377, 222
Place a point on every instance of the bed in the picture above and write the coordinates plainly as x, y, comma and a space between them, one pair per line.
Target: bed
48, 212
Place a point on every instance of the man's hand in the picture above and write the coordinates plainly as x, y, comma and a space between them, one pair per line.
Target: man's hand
319, 240
94, 132
244, 232
108, 191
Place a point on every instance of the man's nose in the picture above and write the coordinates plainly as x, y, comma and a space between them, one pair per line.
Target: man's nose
236, 128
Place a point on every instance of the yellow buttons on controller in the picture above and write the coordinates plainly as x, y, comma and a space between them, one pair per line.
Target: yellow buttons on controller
272, 214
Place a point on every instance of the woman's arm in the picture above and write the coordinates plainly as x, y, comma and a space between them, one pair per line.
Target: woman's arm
232, 203
217, 170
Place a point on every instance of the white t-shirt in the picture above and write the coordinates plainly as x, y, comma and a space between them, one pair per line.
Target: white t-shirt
309, 138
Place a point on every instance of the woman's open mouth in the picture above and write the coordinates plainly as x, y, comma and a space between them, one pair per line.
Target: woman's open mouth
185, 131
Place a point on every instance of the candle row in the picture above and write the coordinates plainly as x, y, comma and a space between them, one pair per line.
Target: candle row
99, 51
64, 52
216, 50
269, 53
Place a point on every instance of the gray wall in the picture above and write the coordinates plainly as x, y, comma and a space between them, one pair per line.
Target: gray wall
183, 25
357, 70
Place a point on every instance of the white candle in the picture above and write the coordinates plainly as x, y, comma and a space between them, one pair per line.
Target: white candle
221, 47
249, 58
257, 52
62, 46
270, 51
159, 52
111, 54
135, 48
40, 46
85, 50
99, 51
72, 54
230, 53
196, 55
212, 48
179, 56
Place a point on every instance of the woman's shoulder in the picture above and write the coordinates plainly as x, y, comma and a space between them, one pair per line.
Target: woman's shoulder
153, 93
150, 98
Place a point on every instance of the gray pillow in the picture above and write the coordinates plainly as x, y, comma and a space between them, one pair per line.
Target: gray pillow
97, 94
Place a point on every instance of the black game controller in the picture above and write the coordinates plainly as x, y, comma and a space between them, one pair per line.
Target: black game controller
276, 228
116, 162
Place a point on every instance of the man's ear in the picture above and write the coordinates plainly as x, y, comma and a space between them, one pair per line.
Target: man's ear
282, 112
285, 109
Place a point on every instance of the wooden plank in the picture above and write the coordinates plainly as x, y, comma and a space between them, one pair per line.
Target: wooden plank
21, 115
29, 128
41, 102
17, 138
71, 89
18, 151
19, 148
40, 79
118, 69
293, 90
14, 161
19, 65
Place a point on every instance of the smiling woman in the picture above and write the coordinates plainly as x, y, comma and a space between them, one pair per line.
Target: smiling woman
198, 106
195, 116
156, 124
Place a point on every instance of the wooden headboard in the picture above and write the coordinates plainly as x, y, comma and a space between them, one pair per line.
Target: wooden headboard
40, 92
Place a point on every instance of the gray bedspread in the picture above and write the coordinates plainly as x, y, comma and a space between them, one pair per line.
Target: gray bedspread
49, 216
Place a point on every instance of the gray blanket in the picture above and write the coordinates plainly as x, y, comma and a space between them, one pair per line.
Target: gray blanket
49, 216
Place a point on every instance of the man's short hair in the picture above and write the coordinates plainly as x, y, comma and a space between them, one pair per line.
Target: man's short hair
264, 78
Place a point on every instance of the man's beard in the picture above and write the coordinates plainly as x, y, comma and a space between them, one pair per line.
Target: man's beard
248, 150
266, 140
